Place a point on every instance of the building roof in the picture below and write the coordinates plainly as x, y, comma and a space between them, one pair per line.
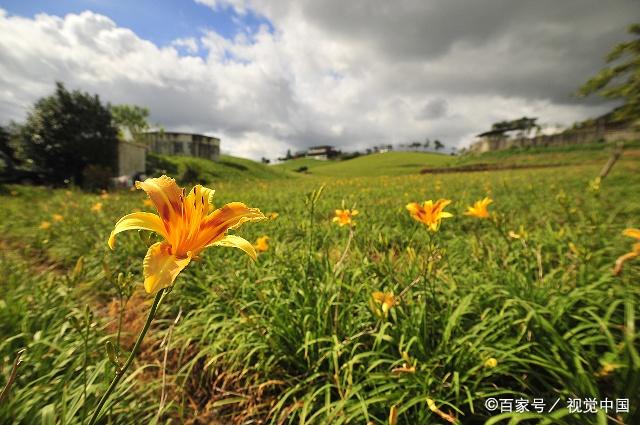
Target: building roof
180, 132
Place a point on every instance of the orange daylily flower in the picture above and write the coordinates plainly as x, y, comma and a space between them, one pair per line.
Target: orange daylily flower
57, 217
45, 225
479, 208
430, 213
97, 207
187, 226
635, 250
345, 217
386, 300
262, 244
273, 215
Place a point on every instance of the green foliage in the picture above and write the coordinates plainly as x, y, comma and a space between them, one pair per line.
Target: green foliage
131, 118
292, 339
96, 177
66, 132
620, 80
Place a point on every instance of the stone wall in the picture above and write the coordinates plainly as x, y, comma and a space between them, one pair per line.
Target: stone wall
572, 137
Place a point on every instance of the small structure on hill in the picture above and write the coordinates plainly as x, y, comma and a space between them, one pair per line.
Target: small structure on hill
322, 152
188, 144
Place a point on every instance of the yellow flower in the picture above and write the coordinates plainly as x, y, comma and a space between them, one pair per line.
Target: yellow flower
432, 406
479, 208
45, 225
393, 415
430, 213
97, 207
262, 244
491, 363
273, 215
344, 217
58, 217
635, 250
187, 227
382, 302
594, 185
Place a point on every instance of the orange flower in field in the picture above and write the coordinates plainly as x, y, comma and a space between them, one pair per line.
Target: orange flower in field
635, 250
479, 208
187, 225
45, 225
273, 215
430, 213
262, 244
381, 302
57, 217
345, 217
97, 207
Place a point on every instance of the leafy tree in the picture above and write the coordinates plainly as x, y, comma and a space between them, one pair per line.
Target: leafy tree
131, 118
620, 80
437, 144
68, 131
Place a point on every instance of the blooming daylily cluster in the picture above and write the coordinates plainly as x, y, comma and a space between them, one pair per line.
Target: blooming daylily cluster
188, 224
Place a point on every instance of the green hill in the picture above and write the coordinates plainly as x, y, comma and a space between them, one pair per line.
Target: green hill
190, 169
380, 164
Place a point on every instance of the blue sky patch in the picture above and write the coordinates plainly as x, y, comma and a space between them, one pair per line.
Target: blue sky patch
160, 21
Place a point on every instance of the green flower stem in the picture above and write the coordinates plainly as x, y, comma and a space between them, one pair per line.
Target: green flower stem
120, 372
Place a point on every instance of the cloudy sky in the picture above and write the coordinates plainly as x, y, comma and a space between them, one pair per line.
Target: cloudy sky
267, 76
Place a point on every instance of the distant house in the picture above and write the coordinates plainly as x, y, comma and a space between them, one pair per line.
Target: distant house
188, 144
322, 152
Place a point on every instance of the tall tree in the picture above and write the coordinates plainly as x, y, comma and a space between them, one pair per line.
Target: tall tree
131, 119
437, 144
68, 131
621, 79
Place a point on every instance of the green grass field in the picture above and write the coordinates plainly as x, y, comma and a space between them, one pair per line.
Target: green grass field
380, 164
521, 305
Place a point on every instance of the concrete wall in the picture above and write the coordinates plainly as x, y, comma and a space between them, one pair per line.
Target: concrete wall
131, 158
493, 143
172, 143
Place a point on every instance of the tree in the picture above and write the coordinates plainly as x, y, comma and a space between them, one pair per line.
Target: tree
620, 80
427, 142
132, 119
437, 144
68, 131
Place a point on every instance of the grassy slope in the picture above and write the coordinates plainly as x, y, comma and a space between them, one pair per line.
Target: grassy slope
227, 168
381, 164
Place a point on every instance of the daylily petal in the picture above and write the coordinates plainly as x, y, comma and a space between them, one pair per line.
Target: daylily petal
166, 196
234, 241
161, 267
632, 233
138, 221
229, 217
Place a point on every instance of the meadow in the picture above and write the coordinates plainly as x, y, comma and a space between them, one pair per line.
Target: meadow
521, 305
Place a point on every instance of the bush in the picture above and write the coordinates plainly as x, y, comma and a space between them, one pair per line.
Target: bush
96, 177
157, 165
68, 131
